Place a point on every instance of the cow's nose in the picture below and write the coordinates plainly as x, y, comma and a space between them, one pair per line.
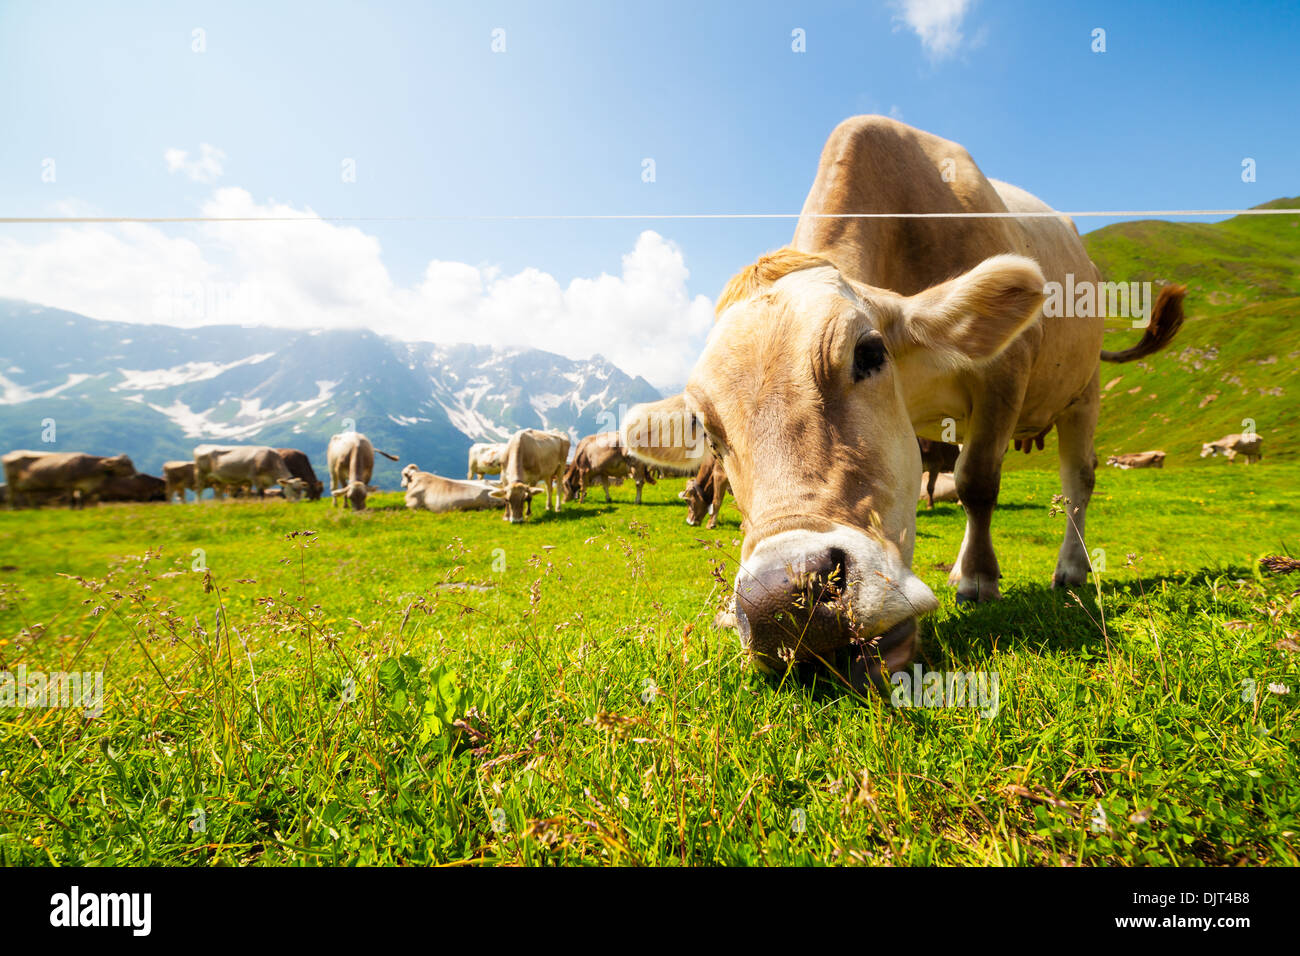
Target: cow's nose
794, 610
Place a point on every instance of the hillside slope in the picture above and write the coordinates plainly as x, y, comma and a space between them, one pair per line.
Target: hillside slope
1235, 358
1225, 265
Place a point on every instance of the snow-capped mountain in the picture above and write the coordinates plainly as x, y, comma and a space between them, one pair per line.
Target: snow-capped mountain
154, 391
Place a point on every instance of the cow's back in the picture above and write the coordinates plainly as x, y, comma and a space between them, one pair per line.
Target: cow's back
17, 464
877, 165
350, 457
874, 164
533, 455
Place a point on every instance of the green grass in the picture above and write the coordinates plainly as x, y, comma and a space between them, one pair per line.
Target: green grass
452, 689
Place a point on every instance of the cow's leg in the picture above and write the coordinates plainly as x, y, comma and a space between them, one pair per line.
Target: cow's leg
929, 489
639, 486
558, 480
604, 483
978, 475
715, 504
1075, 428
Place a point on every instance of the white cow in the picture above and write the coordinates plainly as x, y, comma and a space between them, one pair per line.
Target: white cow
429, 492
351, 461
1250, 445
485, 459
532, 456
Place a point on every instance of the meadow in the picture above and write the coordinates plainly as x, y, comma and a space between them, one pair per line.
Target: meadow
296, 684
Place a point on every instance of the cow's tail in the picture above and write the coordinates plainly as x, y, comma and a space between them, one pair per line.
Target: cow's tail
1166, 320
387, 455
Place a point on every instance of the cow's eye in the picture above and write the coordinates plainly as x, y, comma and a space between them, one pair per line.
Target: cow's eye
868, 356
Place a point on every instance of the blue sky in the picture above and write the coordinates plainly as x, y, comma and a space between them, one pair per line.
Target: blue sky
560, 123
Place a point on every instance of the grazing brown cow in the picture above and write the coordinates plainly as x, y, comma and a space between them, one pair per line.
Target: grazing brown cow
233, 466
299, 466
705, 493
430, 492
1250, 446
351, 461
181, 476
937, 458
1137, 459
828, 358
532, 456
37, 476
602, 459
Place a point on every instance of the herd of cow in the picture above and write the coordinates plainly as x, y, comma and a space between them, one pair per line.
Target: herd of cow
531, 463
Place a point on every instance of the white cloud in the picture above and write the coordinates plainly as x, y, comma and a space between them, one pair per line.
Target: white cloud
936, 22
207, 167
322, 275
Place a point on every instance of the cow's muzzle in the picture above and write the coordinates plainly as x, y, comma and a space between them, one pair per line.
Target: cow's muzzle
803, 595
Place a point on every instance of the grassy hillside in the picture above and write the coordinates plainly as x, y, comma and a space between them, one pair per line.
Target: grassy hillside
1236, 356
390, 687
1225, 265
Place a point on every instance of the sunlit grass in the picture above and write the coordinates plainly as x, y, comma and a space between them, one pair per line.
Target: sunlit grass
411, 688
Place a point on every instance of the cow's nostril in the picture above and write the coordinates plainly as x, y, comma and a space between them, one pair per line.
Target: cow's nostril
795, 610
822, 580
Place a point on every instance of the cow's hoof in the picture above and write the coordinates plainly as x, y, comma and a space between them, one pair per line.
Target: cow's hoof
1063, 580
978, 589
1070, 574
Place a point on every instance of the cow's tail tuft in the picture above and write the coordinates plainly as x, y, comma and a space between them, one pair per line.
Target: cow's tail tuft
1166, 320
388, 456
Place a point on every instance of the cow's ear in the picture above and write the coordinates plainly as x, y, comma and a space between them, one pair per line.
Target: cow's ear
497, 493
972, 317
663, 433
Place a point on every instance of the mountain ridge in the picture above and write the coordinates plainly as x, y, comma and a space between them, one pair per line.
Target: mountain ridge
155, 391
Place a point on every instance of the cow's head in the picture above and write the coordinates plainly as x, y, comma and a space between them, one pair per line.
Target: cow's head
696, 506
408, 475
802, 392
572, 483
518, 497
119, 466
1208, 449
355, 493
294, 488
